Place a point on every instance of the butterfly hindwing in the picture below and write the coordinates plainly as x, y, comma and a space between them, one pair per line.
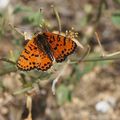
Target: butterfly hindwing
44, 62
32, 57
61, 46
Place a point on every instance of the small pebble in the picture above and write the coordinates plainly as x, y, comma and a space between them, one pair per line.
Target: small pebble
105, 105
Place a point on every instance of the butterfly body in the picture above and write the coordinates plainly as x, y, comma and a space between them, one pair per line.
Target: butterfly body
43, 44
43, 48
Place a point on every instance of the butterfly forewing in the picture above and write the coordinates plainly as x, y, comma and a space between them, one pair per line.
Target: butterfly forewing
61, 46
32, 57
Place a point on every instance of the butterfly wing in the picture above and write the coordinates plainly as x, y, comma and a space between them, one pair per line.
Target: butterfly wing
60, 46
32, 57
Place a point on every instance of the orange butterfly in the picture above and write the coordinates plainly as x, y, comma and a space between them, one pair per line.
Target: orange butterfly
43, 48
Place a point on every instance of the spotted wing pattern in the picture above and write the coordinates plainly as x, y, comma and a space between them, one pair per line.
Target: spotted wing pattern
61, 46
32, 57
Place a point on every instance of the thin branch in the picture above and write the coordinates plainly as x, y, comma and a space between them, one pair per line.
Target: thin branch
98, 40
58, 77
7, 71
78, 43
96, 59
113, 54
7, 60
102, 50
58, 18
15, 29
100, 9
101, 59
54, 83
85, 54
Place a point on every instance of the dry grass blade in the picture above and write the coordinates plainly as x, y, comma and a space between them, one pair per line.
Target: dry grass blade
58, 77
29, 107
102, 50
98, 40
15, 29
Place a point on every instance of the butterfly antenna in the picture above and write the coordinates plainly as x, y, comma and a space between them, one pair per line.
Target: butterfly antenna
58, 17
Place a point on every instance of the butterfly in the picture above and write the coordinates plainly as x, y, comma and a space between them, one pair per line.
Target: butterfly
43, 48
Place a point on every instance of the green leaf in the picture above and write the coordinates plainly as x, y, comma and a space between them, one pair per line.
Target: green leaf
116, 18
35, 18
20, 8
1, 15
63, 94
117, 1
